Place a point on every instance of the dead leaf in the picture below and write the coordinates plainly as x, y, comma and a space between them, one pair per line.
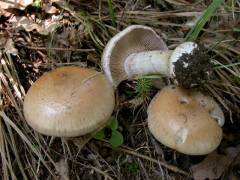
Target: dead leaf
48, 8
44, 27
213, 166
18, 4
4, 13
62, 169
7, 45
59, 2
233, 170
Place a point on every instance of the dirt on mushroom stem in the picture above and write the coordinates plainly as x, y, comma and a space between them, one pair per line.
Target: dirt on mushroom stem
194, 69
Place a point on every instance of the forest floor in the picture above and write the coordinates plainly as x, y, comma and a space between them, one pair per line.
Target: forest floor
42, 35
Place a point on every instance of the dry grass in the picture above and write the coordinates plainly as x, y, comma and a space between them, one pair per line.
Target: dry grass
87, 26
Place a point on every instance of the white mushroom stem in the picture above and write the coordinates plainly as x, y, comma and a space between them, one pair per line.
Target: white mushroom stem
148, 62
156, 62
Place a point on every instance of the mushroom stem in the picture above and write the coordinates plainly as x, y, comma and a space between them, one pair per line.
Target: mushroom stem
148, 62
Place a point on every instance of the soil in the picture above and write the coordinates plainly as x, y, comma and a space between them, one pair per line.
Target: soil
198, 70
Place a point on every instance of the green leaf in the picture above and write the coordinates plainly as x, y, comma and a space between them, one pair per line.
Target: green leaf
116, 139
236, 29
193, 34
133, 167
113, 124
99, 135
111, 12
37, 3
143, 87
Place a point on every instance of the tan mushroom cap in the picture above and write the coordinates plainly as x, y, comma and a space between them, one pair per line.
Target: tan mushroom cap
69, 101
133, 39
212, 107
178, 120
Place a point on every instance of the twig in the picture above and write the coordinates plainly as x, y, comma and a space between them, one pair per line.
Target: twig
98, 170
59, 49
162, 163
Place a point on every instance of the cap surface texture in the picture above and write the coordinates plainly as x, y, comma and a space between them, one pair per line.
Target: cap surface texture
69, 101
178, 120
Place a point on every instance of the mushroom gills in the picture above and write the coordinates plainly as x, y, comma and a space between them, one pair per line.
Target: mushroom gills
138, 50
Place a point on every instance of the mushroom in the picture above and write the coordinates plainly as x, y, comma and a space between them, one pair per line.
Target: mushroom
138, 50
211, 105
69, 101
184, 120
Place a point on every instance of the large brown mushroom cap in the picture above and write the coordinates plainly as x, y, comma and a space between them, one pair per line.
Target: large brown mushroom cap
178, 120
133, 39
69, 101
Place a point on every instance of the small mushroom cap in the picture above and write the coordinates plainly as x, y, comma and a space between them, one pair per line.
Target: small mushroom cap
178, 120
133, 39
69, 101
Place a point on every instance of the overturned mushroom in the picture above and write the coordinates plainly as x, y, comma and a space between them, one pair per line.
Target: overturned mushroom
69, 101
138, 50
185, 120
